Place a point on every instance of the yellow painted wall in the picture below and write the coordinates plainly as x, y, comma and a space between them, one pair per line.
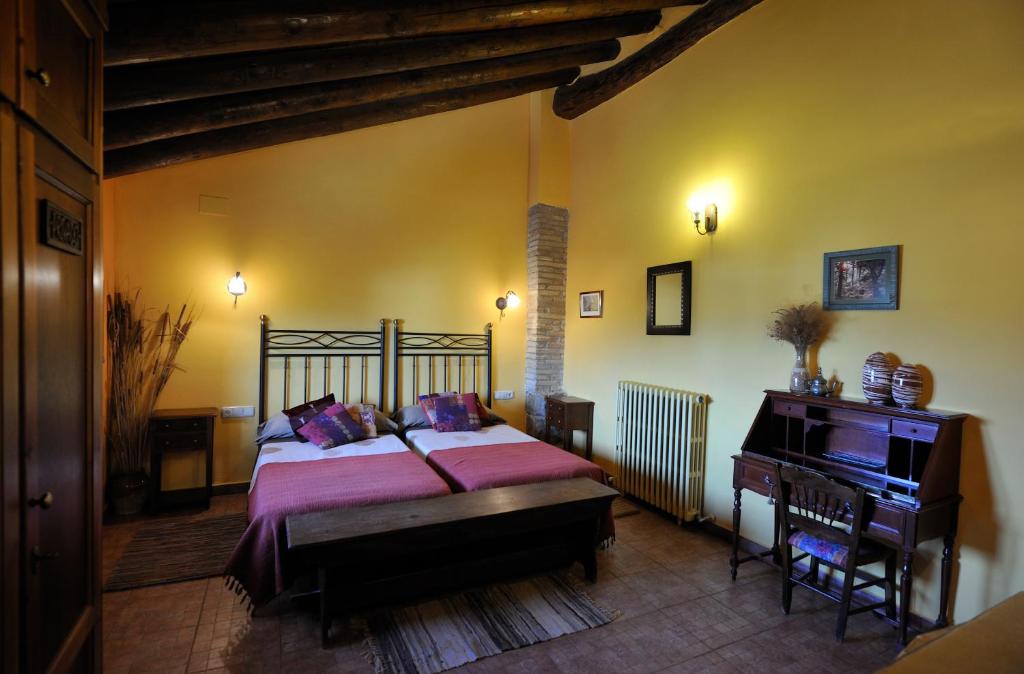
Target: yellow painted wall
823, 126
550, 168
422, 220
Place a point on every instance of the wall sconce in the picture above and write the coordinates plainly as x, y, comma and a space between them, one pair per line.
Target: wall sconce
237, 286
509, 301
703, 212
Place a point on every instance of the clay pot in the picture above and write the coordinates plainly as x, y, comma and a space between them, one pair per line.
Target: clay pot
876, 379
907, 385
128, 493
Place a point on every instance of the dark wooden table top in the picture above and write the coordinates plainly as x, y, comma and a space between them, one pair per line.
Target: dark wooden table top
184, 413
310, 530
569, 400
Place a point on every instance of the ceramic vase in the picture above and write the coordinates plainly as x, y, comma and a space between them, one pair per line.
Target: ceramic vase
876, 379
907, 385
798, 377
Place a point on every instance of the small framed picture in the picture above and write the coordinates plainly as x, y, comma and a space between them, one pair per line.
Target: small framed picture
868, 278
592, 304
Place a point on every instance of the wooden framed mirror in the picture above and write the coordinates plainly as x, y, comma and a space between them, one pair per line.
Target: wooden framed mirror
669, 289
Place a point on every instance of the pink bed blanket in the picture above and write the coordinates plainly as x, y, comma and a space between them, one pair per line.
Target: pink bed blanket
259, 565
489, 466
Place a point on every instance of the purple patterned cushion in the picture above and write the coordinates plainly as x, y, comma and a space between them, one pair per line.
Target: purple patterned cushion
427, 402
332, 427
455, 413
300, 414
365, 416
820, 548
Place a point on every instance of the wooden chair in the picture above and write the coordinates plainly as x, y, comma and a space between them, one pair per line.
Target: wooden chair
814, 512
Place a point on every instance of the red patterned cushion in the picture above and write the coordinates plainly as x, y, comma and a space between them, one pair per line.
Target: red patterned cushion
301, 414
482, 412
820, 548
331, 428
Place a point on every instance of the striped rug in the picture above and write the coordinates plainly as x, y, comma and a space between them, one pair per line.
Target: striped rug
173, 550
444, 633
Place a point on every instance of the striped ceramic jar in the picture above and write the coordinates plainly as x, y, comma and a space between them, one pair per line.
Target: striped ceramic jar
907, 385
876, 379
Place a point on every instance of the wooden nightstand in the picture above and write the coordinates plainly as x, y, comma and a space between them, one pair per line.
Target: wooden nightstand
181, 430
569, 414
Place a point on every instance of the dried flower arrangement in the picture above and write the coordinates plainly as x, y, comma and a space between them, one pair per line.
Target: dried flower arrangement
800, 325
142, 354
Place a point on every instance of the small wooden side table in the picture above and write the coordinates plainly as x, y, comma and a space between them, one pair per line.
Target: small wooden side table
181, 430
569, 413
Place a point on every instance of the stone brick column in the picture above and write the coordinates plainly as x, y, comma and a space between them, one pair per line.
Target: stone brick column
547, 243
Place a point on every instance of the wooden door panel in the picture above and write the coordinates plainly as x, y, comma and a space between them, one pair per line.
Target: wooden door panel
58, 452
61, 67
9, 50
10, 411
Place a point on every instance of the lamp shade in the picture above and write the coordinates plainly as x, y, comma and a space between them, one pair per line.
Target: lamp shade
236, 285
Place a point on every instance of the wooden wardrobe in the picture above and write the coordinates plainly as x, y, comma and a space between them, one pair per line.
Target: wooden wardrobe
51, 333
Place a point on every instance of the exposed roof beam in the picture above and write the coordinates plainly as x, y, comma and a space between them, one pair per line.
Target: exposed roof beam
143, 32
146, 84
250, 136
156, 122
588, 92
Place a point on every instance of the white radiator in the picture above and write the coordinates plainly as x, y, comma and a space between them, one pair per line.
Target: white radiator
660, 446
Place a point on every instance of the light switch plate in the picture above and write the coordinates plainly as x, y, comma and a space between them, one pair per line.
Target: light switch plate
237, 411
504, 395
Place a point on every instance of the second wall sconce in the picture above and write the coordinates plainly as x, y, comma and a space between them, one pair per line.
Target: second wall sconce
509, 301
703, 213
237, 286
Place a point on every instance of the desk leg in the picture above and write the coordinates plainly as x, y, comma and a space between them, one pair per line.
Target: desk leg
906, 582
547, 432
567, 439
325, 620
734, 559
947, 573
590, 443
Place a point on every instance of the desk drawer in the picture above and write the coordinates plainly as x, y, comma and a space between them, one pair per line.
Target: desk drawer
914, 430
168, 442
789, 409
755, 476
179, 425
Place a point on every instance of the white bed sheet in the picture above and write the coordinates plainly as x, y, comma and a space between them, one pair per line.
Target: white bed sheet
290, 451
427, 440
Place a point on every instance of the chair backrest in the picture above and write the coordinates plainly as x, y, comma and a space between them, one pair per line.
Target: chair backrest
820, 506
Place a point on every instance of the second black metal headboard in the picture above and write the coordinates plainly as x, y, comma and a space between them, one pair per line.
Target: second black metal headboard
321, 350
452, 349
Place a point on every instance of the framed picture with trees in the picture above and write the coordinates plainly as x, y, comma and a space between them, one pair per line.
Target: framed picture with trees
868, 278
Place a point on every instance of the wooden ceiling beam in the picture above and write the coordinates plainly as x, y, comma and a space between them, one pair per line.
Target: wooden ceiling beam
155, 122
147, 84
143, 32
586, 93
173, 151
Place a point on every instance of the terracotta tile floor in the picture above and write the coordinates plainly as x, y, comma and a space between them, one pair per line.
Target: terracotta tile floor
680, 613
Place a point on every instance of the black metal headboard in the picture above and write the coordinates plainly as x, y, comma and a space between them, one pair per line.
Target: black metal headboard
446, 355
319, 351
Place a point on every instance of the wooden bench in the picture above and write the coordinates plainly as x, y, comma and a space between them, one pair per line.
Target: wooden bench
394, 550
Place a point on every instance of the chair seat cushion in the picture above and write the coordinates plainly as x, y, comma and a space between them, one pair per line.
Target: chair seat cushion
835, 553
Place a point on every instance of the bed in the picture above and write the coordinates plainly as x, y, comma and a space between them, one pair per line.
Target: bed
497, 455
292, 477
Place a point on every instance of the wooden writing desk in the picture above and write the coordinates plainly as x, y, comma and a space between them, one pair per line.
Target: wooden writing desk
907, 460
